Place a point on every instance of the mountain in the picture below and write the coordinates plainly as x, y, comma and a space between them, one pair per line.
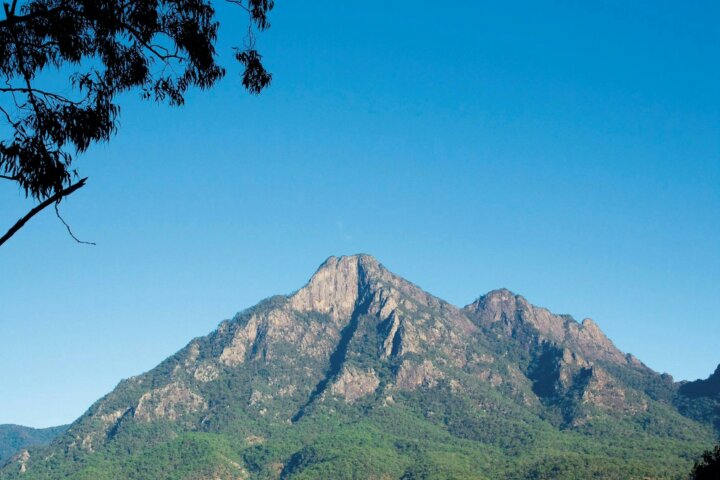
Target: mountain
361, 374
16, 437
709, 387
701, 399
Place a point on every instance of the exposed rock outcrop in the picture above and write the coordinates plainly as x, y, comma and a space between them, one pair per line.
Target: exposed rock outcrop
169, 402
353, 384
413, 375
513, 314
334, 288
21, 459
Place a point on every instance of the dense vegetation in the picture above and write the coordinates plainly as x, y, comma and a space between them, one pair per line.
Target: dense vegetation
396, 442
708, 467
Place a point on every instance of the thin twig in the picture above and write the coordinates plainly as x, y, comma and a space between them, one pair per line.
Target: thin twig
57, 212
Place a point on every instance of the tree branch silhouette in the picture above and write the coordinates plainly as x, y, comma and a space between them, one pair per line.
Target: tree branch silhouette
49, 201
159, 49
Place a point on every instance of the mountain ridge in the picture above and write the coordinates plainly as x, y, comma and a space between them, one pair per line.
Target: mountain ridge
360, 354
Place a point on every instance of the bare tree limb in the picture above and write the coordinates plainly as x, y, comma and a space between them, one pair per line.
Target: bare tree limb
57, 212
49, 201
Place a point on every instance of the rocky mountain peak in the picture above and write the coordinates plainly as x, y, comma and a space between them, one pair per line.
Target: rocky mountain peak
335, 286
513, 314
499, 297
513, 311
341, 284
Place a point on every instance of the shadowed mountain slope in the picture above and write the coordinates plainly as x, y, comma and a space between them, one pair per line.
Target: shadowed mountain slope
361, 374
701, 399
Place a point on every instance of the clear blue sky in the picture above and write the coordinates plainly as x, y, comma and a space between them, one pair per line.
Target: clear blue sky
569, 151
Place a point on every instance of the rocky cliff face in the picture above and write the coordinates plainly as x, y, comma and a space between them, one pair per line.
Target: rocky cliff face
516, 317
571, 365
358, 342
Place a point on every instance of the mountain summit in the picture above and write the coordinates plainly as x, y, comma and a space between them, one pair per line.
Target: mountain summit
362, 374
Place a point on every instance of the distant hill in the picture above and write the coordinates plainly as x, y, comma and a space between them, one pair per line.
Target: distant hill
710, 387
701, 399
15, 437
361, 374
